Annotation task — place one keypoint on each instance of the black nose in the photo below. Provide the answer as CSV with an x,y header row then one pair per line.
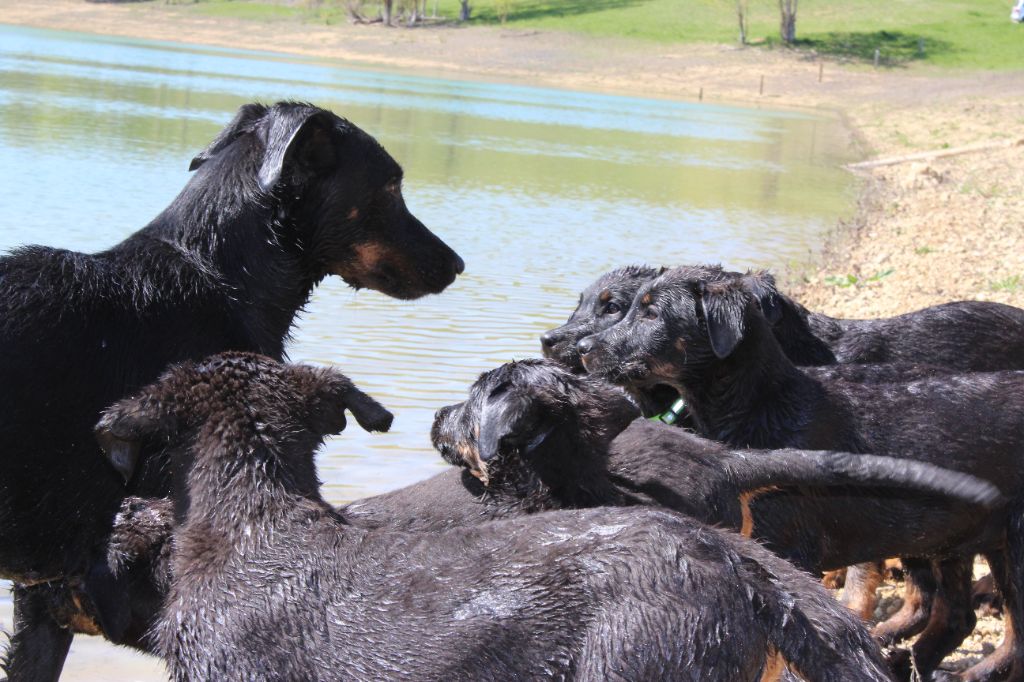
x,y
549,339
586,346
459,264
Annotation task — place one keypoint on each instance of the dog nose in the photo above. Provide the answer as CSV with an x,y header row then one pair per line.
x,y
549,339
459,265
586,346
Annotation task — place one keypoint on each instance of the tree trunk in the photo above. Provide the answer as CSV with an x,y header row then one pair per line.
x,y
464,10
385,10
787,28
741,14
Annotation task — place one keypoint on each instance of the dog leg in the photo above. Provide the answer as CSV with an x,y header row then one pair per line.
x,y
913,617
860,593
38,645
951,619
1007,661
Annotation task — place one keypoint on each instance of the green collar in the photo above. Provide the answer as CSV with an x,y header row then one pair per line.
x,y
672,414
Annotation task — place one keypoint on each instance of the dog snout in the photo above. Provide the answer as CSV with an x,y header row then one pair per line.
x,y
586,347
549,339
458,264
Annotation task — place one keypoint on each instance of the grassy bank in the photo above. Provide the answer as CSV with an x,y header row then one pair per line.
x,y
947,33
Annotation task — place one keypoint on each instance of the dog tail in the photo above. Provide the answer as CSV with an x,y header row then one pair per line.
x,y
757,470
810,633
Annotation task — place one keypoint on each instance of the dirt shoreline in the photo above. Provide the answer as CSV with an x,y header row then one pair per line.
x,y
924,232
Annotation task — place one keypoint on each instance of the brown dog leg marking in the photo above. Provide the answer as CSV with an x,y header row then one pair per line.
x,y
860,594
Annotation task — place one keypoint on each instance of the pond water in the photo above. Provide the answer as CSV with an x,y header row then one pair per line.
x,y
539,190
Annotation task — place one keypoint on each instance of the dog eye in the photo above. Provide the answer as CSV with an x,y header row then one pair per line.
x,y
394,187
611,308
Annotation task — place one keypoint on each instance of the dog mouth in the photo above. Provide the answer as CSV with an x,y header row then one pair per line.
x,y
379,267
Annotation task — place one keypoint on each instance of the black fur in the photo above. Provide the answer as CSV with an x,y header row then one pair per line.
x,y
964,335
283,197
711,342
537,433
270,583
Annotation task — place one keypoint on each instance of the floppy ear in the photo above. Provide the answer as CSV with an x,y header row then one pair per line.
x,y
123,427
243,122
762,286
333,393
300,142
724,305
513,417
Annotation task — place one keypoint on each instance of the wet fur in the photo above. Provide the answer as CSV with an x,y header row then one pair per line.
x,y
227,265
270,582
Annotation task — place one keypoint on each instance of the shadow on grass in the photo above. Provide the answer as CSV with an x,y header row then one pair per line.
x,y
544,9
894,47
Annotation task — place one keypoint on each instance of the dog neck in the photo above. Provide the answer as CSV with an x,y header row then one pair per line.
x,y
241,240
755,397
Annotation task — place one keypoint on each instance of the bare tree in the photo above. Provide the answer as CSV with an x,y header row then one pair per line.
x,y
741,14
787,29
386,7
464,10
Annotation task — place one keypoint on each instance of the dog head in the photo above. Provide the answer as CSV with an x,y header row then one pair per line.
x,y
214,414
601,305
340,198
677,327
532,424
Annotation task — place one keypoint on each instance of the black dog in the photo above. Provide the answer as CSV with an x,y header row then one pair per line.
x,y
283,197
535,432
712,343
269,582
965,335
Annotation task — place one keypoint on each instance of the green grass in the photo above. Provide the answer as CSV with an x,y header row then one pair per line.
x,y
1011,284
947,33
845,281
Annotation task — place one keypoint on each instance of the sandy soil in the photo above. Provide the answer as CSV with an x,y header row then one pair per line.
x,y
926,231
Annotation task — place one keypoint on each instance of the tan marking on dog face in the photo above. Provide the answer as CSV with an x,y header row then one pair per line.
x,y
680,344
81,623
471,456
353,214
646,299
605,296
774,666
747,523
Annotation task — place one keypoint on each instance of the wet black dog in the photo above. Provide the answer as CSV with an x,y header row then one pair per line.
x,y
712,343
537,433
964,335
283,197
269,582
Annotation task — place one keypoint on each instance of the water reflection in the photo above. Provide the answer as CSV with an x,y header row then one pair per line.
x,y
539,190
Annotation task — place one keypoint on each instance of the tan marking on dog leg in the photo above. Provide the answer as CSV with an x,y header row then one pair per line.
x,y
747,523
861,595
774,666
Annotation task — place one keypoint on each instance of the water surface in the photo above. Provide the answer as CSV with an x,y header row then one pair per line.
x,y
540,190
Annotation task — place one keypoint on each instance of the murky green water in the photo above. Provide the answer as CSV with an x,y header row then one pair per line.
x,y
539,190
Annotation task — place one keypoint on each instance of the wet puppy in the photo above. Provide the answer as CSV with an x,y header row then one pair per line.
x,y
268,582
963,335
712,343
534,431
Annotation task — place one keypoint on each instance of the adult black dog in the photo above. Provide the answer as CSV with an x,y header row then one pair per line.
x,y
283,197
972,336
712,343
269,582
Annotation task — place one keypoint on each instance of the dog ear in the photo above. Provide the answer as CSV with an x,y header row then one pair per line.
x,y
761,285
301,143
125,425
513,419
724,306
243,122
330,394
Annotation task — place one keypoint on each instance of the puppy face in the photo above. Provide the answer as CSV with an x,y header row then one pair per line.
x,y
528,422
676,327
601,305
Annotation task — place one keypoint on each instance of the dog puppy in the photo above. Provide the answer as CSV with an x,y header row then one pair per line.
x,y
269,582
713,344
